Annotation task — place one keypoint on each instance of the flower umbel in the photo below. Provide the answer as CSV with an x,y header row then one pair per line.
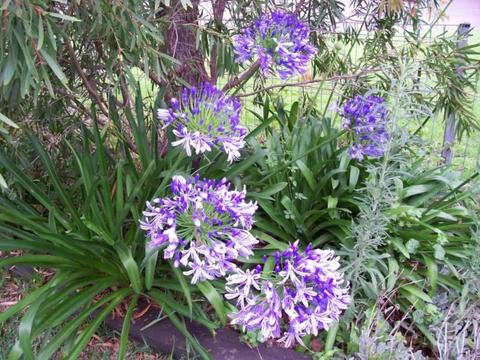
x,y
303,294
204,226
205,118
366,118
280,42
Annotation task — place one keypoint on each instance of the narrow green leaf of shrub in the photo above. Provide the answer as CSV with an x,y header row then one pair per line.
x,y
353,179
272,190
9,69
432,271
3,183
150,266
417,190
417,292
181,327
279,245
291,208
184,285
167,301
130,266
393,273
56,309
276,216
450,282
35,260
269,265
52,63
307,174
123,343
63,17
332,204
417,302
237,169
7,121
331,335
25,330
41,33
398,244
62,335
30,186
57,183
16,352
430,337
264,125
439,252
135,191
103,234
215,300
87,334
273,229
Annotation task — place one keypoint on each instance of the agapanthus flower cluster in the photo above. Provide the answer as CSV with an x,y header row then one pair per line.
x,y
204,226
303,294
280,42
366,118
205,118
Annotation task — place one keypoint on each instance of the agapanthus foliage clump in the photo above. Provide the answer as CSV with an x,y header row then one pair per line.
x,y
303,294
280,43
204,226
205,118
366,118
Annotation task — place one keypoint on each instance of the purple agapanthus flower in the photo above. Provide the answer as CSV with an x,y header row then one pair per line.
x,y
205,118
366,118
303,294
280,42
204,226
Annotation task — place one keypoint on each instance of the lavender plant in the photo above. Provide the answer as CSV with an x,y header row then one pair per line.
x,y
379,341
457,335
305,293
205,118
204,226
382,133
279,41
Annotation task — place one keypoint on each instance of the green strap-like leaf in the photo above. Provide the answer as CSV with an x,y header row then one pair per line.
x,y
72,326
87,334
130,266
7,121
122,347
215,299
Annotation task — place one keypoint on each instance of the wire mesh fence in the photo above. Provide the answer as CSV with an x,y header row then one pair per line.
x,y
466,149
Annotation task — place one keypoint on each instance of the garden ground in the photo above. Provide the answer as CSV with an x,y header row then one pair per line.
x,y
103,346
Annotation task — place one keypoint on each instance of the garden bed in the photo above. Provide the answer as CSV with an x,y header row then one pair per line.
x,y
163,337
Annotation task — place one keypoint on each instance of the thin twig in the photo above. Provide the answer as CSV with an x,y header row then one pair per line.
x,y
88,85
242,77
125,91
314,81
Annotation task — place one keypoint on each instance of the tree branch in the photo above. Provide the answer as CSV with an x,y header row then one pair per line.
x,y
308,82
88,85
237,80
152,75
125,91
218,10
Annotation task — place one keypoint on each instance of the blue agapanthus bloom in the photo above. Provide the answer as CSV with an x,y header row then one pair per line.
x,y
280,42
204,226
206,118
303,294
366,118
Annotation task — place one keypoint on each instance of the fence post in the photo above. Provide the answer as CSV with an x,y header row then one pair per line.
x,y
451,123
